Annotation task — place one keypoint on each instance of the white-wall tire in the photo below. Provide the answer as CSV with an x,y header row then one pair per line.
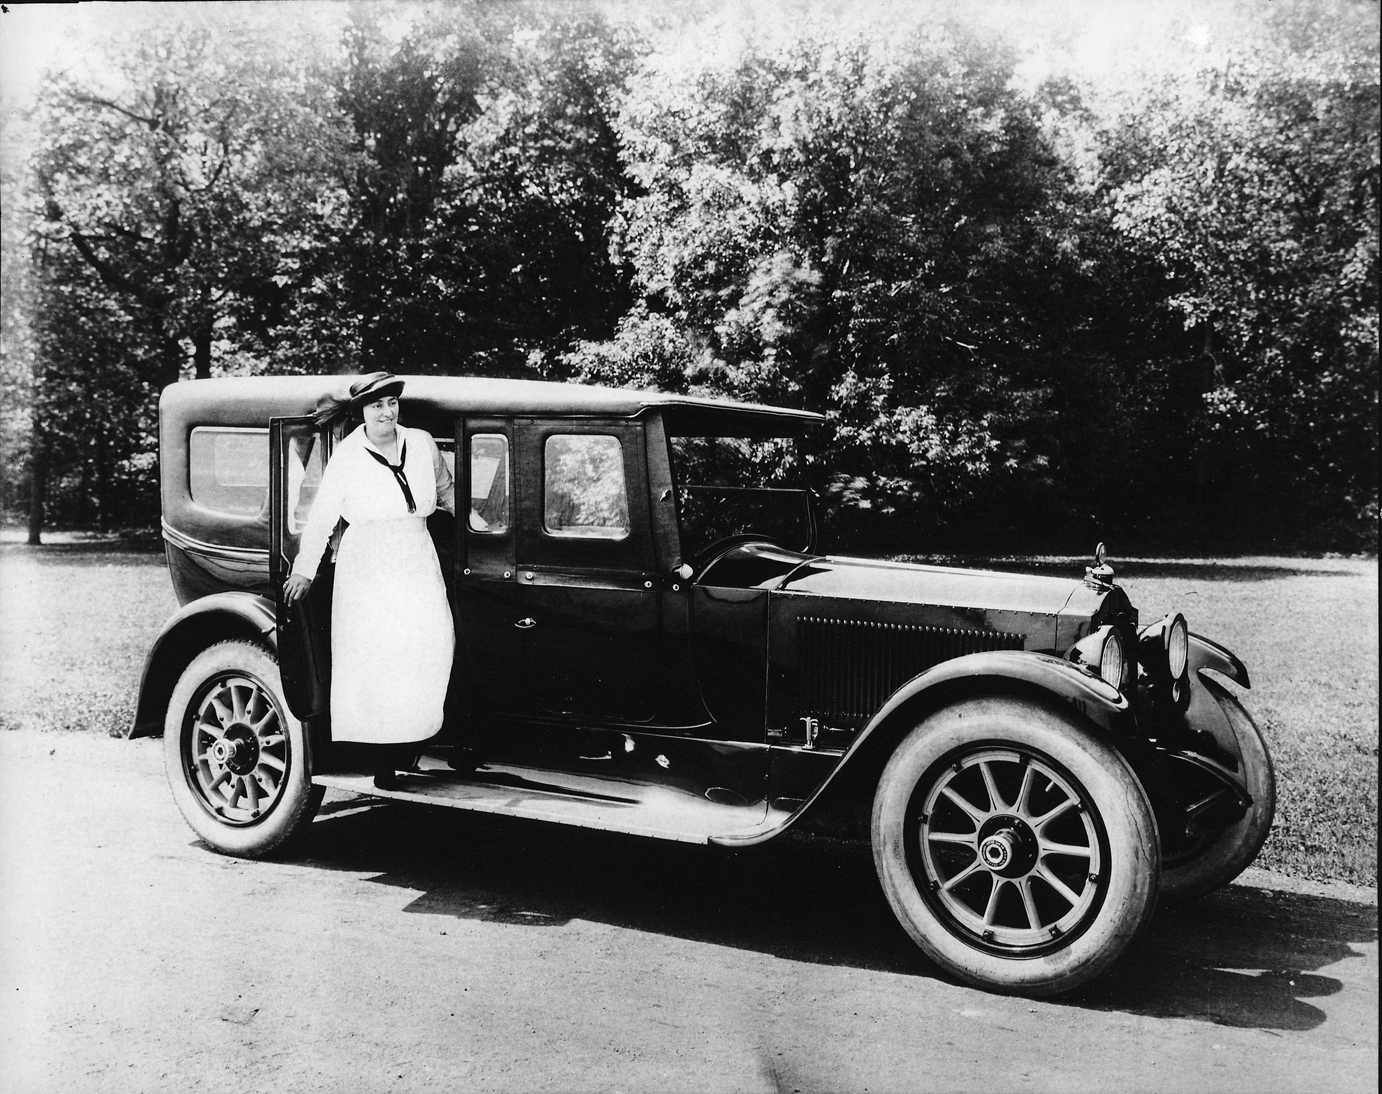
x,y
236,757
1016,847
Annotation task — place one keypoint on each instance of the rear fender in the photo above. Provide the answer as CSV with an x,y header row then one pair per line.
x,y
196,626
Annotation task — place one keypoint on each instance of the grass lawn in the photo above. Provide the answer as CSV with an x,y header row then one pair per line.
x,y
1307,630
76,622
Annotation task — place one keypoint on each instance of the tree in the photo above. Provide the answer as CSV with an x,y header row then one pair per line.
x,y
183,208
877,231
17,351
490,171
525,227
194,185
1251,181
409,84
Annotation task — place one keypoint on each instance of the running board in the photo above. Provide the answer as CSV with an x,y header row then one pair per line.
x,y
638,809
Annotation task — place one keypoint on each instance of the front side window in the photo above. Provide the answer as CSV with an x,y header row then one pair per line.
x,y
229,469
489,482
583,492
731,486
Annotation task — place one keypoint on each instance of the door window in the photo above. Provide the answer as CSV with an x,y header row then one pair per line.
x,y
489,483
447,447
304,476
584,494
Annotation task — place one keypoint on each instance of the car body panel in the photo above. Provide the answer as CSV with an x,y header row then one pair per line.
x,y
1041,677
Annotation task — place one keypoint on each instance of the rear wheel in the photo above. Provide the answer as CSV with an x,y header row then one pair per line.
x,y
1219,857
235,755
1016,848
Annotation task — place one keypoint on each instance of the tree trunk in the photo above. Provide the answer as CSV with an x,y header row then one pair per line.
x,y
102,486
83,515
1205,508
201,357
38,487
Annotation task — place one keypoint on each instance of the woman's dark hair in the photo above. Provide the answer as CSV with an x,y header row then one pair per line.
x,y
336,411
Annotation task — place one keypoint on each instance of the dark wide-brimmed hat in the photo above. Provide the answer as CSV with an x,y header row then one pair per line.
x,y
377,385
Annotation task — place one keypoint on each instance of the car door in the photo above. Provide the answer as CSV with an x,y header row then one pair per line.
x,y
298,451
587,580
489,619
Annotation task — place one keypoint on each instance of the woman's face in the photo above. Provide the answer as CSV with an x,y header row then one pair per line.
x,y
382,414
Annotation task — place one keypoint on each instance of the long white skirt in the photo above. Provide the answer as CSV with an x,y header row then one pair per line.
x,y
392,638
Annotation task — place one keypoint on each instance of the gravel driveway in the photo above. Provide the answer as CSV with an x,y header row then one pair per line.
x,y
413,949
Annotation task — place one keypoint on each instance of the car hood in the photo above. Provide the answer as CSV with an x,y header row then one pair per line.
x,y
1051,612
908,583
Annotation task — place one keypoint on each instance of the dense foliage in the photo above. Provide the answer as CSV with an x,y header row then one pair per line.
x,y
1039,302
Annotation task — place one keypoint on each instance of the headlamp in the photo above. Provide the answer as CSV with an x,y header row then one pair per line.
x,y
1103,652
1163,649
1177,646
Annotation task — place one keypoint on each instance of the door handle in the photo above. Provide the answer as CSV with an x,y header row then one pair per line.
x,y
526,623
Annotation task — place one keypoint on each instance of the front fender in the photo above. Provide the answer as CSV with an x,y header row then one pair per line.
x,y
1096,700
1213,734
1208,654
202,623
1039,676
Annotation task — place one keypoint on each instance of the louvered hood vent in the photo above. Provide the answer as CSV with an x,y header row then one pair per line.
x,y
847,668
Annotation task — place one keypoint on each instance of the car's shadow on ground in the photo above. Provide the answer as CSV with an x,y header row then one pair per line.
x,y
1241,957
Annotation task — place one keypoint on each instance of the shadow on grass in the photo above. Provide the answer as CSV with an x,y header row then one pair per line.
x,y
1209,571
1197,569
1242,957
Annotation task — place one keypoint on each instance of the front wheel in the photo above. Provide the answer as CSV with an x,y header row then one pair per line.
x,y
1016,848
235,755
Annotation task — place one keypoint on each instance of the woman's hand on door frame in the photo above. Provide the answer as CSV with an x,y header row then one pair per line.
x,y
295,588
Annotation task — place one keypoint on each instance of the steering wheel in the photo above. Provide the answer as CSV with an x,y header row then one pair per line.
x,y
704,558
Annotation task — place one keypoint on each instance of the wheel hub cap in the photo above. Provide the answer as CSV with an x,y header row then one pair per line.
x,y
997,851
1007,846
1008,853
236,750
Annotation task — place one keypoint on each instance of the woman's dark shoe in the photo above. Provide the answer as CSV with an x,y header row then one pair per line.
x,y
385,778
465,760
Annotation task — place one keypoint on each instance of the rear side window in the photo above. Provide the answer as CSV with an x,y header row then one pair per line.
x,y
229,469
583,487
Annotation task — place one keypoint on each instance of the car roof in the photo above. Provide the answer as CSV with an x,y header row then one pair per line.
x,y
246,400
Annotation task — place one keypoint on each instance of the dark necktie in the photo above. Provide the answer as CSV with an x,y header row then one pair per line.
x,y
398,475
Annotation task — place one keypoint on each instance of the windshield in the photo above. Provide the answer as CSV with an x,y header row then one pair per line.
x,y
731,486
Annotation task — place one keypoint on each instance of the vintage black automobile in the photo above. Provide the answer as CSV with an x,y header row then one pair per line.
x,y
650,642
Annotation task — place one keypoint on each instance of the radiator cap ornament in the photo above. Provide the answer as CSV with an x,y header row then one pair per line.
x,y
1101,573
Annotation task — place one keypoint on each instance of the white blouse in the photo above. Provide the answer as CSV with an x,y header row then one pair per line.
x,y
359,488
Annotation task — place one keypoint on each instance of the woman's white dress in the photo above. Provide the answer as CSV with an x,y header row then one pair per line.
x,y
392,637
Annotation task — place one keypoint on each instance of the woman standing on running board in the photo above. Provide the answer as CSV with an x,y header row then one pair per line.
x,y
392,637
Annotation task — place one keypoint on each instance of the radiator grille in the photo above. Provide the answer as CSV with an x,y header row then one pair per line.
x,y
847,668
